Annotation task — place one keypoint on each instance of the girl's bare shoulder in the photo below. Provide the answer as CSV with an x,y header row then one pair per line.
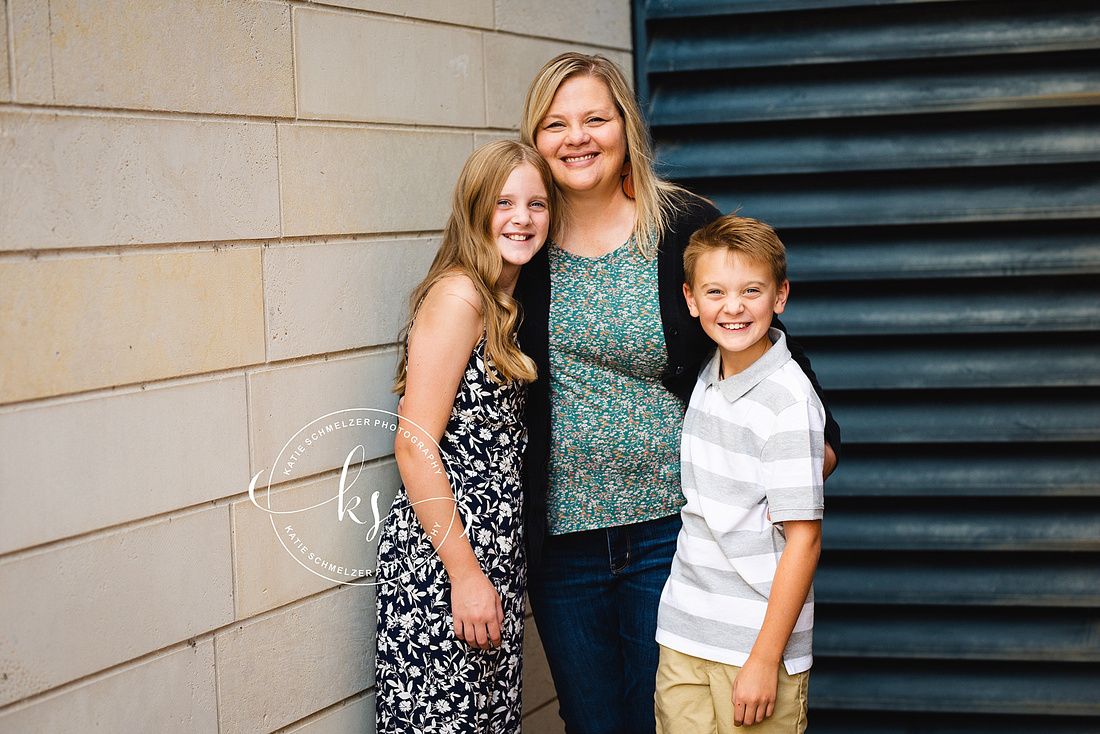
x,y
450,289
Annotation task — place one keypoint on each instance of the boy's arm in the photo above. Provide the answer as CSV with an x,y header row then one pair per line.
x,y
754,688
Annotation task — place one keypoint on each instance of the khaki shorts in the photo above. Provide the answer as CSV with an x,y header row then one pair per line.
x,y
695,696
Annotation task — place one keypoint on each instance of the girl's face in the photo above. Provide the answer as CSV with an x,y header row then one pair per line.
x,y
582,136
521,217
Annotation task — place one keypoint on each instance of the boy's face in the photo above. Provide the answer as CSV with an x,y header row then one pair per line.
x,y
734,299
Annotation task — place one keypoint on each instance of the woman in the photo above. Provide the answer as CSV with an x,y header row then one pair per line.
x,y
617,353
452,572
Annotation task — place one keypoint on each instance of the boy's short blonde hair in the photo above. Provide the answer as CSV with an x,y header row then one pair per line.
x,y
748,237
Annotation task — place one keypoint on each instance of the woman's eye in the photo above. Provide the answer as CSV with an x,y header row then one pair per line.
x,y
552,125
596,120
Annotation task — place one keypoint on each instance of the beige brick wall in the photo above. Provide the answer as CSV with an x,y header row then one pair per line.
x,y
211,214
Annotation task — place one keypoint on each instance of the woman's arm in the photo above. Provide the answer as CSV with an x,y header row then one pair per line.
x,y
832,428
448,327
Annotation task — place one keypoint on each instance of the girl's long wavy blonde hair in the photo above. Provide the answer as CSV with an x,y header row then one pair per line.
x,y
654,197
468,248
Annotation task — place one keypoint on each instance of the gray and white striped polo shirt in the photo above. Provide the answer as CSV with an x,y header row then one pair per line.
x,y
751,458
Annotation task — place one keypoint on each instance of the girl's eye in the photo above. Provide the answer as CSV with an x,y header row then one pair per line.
x,y
503,202
538,204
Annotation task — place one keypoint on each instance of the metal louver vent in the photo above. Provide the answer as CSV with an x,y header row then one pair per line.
x,y
934,169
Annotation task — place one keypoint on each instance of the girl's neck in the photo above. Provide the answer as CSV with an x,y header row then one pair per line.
x,y
509,274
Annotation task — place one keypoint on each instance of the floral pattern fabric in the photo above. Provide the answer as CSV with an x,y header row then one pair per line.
x,y
427,680
615,429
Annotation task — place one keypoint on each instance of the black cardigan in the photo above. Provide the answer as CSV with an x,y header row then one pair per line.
x,y
685,340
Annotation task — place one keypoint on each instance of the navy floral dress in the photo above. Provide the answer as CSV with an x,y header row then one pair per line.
x,y
427,680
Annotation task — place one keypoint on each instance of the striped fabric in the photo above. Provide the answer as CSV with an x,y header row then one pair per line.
x,y
751,458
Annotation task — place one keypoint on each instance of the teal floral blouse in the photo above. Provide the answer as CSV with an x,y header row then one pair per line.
x,y
615,429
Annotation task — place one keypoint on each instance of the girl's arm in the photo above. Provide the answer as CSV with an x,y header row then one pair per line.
x,y
754,688
447,328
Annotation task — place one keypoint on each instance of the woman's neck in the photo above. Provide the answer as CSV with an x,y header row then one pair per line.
x,y
597,225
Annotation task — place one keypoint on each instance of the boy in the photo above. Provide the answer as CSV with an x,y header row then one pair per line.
x,y
735,622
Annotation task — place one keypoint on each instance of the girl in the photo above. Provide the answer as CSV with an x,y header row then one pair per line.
x,y
451,559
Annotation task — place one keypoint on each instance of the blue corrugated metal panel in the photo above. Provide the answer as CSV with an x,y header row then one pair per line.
x,y
934,168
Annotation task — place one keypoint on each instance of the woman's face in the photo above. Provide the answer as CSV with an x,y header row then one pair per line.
x,y
582,137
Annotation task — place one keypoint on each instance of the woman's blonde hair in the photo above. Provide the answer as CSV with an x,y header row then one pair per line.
x,y
468,248
654,197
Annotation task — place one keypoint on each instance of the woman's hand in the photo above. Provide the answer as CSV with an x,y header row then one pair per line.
x,y
477,611
830,461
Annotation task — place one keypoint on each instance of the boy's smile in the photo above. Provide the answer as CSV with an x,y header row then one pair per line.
x,y
734,299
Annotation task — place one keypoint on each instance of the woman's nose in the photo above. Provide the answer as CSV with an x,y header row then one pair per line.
x,y
577,136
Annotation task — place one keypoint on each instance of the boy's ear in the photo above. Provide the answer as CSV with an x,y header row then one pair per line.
x,y
781,296
690,298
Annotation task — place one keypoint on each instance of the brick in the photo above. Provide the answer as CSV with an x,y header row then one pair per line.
x,y
299,660
544,721
274,568
352,67
80,608
80,466
5,69
477,13
32,74
604,23
341,180
354,718
85,323
82,181
329,298
171,694
511,64
538,685
212,56
481,139
291,403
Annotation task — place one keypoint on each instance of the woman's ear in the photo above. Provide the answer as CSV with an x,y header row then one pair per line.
x,y
628,179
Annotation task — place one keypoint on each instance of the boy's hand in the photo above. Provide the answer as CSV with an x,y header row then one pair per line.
x,y
754,692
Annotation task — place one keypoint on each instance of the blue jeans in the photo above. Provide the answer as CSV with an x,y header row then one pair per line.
x,y
595,596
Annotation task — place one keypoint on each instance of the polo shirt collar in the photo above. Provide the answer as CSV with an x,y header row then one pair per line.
x,y
737,385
